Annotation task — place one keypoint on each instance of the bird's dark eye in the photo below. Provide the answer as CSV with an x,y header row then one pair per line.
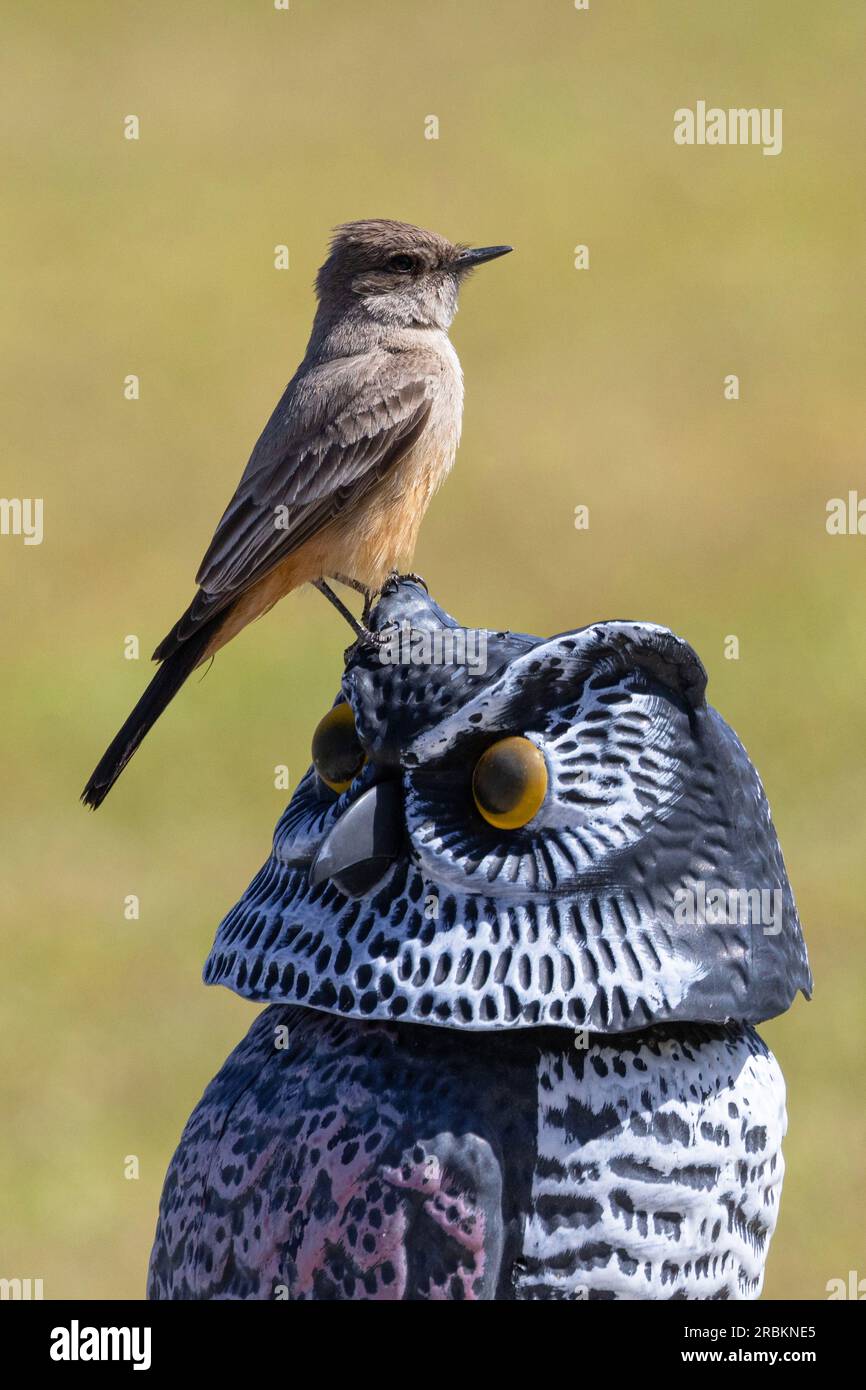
x,y
337,753
509,783
402,263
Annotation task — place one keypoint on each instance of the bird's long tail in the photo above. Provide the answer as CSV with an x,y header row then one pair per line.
x,y
162,689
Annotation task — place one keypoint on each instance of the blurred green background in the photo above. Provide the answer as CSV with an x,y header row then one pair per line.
x,y
602,387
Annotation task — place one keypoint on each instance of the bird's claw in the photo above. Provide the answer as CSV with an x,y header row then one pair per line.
x,y
394,580
368,638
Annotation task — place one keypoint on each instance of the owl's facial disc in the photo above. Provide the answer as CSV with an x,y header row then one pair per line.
x,y
509,787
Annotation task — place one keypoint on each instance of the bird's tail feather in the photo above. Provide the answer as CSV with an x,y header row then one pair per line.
x,y
162,689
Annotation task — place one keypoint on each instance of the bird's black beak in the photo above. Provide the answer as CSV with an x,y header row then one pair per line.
x,y
468,259
364,843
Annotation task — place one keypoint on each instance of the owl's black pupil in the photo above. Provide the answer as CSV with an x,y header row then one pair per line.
x,y
401,263
337,752
501,783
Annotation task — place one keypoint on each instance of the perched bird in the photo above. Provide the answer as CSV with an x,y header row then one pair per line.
x,y
342,474
515,930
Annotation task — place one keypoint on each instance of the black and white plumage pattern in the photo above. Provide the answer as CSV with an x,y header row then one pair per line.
x,y
431,1127
332,1159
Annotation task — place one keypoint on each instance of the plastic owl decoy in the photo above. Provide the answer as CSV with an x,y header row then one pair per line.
x,y
515,929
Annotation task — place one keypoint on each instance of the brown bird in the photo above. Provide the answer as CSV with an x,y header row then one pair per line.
x,y
342,474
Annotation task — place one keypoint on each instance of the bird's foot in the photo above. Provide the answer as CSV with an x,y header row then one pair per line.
x,y
368,638
394,580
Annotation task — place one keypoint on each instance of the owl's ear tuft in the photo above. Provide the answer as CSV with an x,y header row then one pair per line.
x,y
656,650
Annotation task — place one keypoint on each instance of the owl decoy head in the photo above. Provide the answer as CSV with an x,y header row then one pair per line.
x,y
506,831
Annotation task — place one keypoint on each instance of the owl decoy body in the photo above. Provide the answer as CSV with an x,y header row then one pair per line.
x,y
516,927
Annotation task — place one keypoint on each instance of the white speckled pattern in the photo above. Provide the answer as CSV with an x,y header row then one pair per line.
x,y
659,1170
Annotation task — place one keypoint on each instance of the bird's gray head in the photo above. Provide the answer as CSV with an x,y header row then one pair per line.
x,y
399,274
570,835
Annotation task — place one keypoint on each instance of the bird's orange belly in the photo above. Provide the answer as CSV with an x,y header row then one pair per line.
x,y
379,535
383,531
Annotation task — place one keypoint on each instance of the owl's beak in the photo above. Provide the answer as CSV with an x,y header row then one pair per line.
x,y
364,843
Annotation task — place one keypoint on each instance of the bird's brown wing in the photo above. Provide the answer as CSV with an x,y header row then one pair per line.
x,y
337,431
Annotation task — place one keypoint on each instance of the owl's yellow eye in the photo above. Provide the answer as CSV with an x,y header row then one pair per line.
x,y
337,753
509,783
